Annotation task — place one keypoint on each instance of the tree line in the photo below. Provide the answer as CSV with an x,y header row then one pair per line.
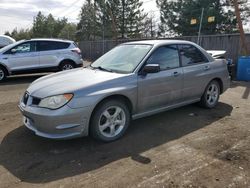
x,y
115,19
46,27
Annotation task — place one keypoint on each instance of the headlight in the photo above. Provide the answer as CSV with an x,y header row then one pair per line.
x,y
55,102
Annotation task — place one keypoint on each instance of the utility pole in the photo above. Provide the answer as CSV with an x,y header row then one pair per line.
x,y
103,35
201,19
103,27
242,34
151,27
123,18
113,23
94,32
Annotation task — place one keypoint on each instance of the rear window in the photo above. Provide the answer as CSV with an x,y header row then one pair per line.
x,y
52,45
75,44
191,55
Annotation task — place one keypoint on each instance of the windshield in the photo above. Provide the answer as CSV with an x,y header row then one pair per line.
x,y
123,58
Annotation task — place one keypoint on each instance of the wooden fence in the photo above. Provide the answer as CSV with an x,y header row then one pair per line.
x,y
91,50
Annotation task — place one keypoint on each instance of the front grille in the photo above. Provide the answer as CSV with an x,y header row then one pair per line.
x,y
25,98
35,101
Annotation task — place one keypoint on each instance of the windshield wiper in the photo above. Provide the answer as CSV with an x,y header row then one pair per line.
x,y
101,68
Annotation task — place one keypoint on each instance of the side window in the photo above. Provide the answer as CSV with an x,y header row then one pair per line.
x,y
52,45
166,56
191,55
44,46
61,45
25,47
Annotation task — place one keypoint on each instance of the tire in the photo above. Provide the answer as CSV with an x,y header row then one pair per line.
x,y
110,121
211,95
3,74
66,65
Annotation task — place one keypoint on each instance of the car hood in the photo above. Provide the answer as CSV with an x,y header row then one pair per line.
x,y
70,82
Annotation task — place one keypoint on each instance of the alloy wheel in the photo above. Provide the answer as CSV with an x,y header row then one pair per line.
x,y
2,74
212,94
112,121
67,67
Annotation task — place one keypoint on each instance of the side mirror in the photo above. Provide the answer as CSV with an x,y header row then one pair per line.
x,y
151,68
13,51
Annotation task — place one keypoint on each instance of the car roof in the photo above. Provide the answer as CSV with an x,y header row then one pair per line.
x,y
50,39
160,42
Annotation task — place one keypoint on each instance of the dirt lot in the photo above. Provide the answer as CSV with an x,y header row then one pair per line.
x,y
186,147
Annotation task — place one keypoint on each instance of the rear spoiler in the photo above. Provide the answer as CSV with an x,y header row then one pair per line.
x,y
217,54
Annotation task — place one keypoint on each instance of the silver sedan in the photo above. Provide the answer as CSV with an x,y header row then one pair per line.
x,y
133,80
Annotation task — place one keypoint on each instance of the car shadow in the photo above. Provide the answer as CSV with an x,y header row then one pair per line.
x,y
36,160
22,79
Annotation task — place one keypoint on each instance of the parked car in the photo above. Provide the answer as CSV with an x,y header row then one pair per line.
x,y
221,54
38,55
131,81
6,40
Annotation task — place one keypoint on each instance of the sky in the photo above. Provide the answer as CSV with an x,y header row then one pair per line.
x,y
20,13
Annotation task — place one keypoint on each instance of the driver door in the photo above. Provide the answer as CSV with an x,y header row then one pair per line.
x,y
23,57
164,88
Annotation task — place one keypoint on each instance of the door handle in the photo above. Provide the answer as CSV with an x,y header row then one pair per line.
x,y
5,58
176,73
207,67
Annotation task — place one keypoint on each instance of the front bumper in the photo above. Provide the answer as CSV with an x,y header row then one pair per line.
x,y
63,123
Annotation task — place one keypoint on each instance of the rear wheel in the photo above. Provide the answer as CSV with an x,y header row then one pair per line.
x,y
110,121
2,74
66,65
211,95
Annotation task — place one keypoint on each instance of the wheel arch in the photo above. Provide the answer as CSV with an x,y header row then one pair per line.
x,y
219,80
5,68
67,60
119,97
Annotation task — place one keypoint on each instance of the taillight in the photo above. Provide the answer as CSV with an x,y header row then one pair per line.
x,y
77,50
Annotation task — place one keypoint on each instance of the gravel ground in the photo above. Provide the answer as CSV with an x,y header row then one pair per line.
x,y
185,147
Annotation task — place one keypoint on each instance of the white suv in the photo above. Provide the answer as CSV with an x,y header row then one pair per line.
x,y
39,55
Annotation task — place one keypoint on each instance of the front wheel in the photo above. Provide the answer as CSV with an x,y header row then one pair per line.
x,y
211,95
2,74
66,66
110,121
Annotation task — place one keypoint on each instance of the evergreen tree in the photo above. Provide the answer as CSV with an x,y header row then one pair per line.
x,y
50,23
68,32
39,28
60,25
88,27
19,34
111,19
244,7
129,18
149,27
107,20
176,16
7,33
47,26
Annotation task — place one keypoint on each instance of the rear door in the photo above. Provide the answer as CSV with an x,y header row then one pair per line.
x,y
25,57
50,52
165,87
196,69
